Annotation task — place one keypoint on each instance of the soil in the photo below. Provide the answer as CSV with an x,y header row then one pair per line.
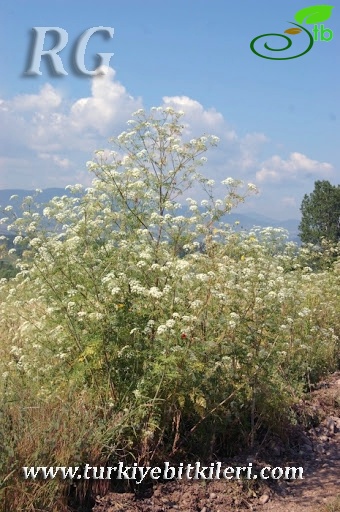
x,y
314,445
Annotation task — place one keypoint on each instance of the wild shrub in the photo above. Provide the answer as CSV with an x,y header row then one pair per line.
x,y
138,330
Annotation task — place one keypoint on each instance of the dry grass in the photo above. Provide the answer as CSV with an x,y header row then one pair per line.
x,y
334,506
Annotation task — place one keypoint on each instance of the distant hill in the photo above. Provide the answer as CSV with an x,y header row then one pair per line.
x,y
247,221
5,194
46,195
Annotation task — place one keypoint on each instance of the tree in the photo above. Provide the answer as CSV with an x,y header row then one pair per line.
x,y
321,214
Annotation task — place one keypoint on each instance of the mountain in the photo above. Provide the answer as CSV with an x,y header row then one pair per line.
x,y
46,195
247,221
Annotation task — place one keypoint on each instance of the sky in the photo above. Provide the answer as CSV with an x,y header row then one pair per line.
x,y
277,120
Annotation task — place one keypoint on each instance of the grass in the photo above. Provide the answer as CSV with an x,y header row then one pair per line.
x,y
334,506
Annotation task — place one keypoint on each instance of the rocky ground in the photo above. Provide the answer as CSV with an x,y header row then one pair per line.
x,y
316,448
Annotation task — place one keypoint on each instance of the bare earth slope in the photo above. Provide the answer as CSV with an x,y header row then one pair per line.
x,y
317,450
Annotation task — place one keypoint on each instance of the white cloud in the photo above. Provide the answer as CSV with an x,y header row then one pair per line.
x,y
46,142
63,137
64,163
57,139
234,154
48,99
109,105
195,114
250,146
277,169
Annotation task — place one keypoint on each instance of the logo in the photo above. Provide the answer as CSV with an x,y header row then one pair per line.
x,y
309,15
78,51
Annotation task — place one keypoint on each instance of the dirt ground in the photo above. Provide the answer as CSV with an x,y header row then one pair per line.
x,y
316,449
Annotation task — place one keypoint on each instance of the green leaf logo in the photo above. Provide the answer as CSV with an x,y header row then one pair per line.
x,y
314,14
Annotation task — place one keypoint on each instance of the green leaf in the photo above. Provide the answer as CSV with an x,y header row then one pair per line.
x,y
314,14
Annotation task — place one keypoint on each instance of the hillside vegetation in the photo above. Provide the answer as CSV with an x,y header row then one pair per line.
x,y
134,334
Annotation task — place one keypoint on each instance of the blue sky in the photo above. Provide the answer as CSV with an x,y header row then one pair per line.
x,y
278,121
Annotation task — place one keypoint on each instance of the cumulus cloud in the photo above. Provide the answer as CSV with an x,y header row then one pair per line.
x,y
277,169
110,104
235,154
48,99
196,116
47,141
57,139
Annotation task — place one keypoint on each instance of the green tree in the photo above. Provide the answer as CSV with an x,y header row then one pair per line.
x,y
321,214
